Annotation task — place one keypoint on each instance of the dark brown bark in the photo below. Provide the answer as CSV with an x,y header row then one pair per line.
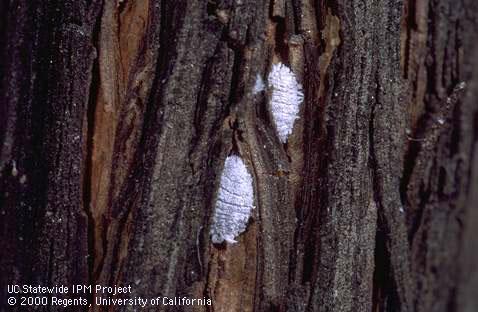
x,y
47,60
116,118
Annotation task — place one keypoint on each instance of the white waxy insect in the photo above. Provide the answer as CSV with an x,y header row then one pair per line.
x,y
235,201
285,100
259,84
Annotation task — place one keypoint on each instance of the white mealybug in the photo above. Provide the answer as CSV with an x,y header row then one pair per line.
x,y
285,100
235,201
259,84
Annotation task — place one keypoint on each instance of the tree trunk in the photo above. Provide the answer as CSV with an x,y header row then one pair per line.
x,y
116,118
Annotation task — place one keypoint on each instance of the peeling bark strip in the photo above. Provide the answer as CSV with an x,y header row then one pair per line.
x,y
116,118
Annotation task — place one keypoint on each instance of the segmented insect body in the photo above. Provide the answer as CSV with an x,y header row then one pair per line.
x,y
235,201
286,98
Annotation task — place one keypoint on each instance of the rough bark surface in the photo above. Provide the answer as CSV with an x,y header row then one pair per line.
x,y
116,118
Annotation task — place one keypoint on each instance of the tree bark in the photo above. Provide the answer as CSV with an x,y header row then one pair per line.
x,y
116,118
